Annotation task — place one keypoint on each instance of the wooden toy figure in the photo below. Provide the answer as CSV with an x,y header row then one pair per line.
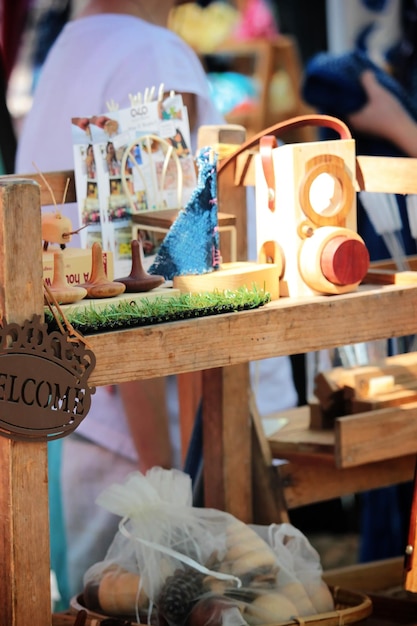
x,y
56,228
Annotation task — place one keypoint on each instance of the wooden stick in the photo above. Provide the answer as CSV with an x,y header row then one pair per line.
x,y
410,561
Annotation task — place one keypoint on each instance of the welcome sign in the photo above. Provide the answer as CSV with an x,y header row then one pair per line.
x,y
44,392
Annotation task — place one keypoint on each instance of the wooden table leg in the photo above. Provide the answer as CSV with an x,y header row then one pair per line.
x,y
189,397
227,436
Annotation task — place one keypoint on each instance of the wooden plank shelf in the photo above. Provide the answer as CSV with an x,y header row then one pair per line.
x,y
286,326
308,479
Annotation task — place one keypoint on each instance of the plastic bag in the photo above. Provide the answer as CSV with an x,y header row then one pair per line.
x,y
173,564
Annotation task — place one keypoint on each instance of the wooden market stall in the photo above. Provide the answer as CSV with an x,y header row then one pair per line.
x,y
219,346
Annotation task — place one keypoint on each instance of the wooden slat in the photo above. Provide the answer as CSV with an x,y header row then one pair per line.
x,y
379,174
377,276
306,480
386,174
375,576
307,441
24,521
376,435
57,181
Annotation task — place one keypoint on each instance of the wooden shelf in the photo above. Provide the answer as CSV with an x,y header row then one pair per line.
x,y
285,326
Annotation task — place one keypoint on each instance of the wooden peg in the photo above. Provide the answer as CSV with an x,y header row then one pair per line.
x,y
99,286
63,292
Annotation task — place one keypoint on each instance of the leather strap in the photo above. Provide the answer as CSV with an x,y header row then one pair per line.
x,y
326,121
266,145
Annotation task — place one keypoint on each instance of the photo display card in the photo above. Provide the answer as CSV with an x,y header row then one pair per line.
x,y
129,161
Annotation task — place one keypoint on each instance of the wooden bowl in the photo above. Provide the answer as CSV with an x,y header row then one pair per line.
x,y
77,604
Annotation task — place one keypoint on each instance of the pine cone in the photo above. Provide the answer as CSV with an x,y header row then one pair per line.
x,y
178,594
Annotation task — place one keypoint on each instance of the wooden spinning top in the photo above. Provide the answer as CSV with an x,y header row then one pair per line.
x,y
139,279
63,292
99,286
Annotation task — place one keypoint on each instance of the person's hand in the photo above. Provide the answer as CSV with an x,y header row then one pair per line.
x,y
82,122
100,120
383,115
109,125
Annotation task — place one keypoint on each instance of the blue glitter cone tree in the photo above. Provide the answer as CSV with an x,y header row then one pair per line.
x,y
192,243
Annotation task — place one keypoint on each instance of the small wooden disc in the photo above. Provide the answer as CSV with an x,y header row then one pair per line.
x,y
344,261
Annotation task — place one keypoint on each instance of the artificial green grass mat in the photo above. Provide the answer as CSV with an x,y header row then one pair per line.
x,y
127,314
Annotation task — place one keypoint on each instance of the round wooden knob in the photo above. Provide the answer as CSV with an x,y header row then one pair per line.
x,y
344,261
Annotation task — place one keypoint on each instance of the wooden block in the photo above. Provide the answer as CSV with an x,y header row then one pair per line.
x,y
232,276
297,437
221,134
364,383
373,173
375,436
319,418
397,397
329,389
77,265
376,385
338,387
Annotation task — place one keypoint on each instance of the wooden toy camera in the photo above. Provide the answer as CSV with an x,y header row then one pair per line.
x,y
306,211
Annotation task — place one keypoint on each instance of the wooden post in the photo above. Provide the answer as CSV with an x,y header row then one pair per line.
x,y
231,198
227,444
24,520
